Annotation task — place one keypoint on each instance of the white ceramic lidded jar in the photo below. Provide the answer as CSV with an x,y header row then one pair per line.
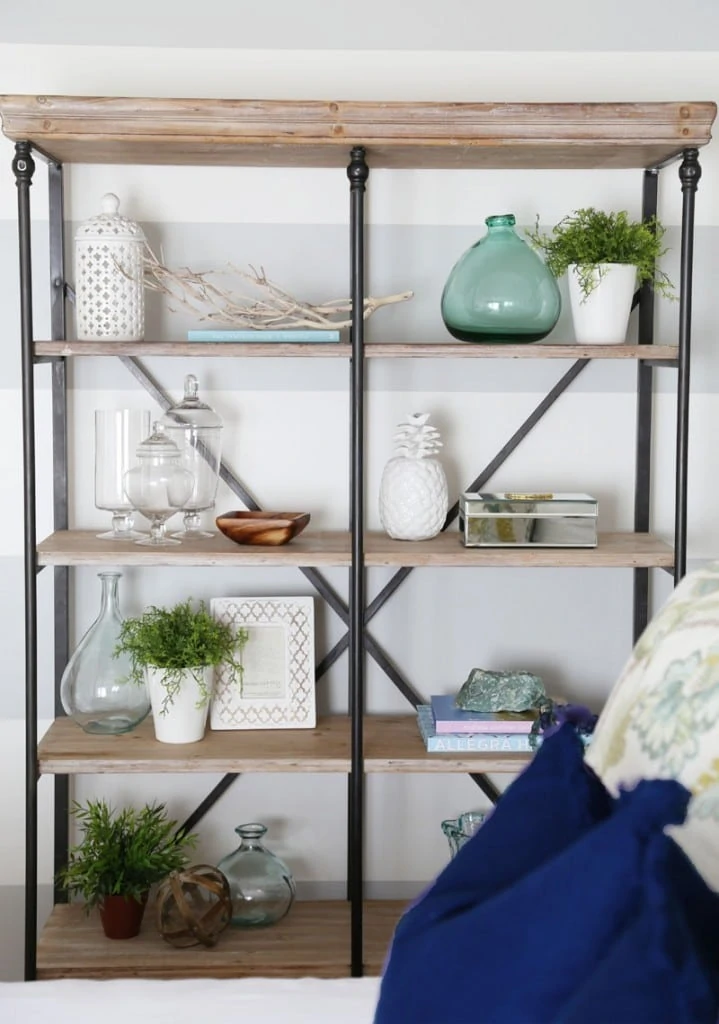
x,y
109,292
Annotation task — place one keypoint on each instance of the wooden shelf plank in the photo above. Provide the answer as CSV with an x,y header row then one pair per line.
x,y
314,939
376,350
615,550
121,130
392,744
66,749
83,547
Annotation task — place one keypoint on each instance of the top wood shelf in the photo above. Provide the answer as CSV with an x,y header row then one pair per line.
x,y
88,129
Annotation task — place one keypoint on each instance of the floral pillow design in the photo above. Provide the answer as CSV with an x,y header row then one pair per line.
x,y
662,717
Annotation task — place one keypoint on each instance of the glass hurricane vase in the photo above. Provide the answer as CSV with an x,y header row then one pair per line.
x,y
500,290
96,689
261,884
118,432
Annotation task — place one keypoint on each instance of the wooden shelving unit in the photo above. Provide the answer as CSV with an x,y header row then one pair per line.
x,y
392,744
323,939
374,350
614,550
311,940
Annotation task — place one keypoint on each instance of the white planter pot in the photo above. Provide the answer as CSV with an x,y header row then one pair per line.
x,y
603,316
181,721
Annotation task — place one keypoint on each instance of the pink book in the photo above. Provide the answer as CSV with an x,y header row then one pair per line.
x,y
449,718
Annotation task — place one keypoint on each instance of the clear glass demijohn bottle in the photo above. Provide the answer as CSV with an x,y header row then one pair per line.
x,y
500,290
96,689
261,884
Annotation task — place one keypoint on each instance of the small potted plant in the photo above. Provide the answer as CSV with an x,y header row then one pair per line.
x,y
606,256
175,651
122,854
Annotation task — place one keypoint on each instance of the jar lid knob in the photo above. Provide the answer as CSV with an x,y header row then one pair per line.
x,y
110,203
191,386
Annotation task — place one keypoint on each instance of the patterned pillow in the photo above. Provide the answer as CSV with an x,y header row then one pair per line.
x,y
662,718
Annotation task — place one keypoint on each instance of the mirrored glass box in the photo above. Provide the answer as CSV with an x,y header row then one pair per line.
x,y
527,520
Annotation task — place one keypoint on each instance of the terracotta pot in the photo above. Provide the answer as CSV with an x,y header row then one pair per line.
x,y
121,918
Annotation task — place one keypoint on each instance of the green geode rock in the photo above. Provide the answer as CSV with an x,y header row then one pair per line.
x,y
501,691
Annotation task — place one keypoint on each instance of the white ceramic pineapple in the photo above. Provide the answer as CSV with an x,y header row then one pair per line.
x,y
413,494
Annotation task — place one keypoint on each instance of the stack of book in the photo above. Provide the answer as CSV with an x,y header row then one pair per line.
x,y
444,727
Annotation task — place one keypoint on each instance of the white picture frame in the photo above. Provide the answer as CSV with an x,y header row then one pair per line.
x,y
277,690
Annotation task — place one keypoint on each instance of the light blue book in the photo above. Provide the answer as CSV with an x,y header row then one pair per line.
x,y
488,743
286,336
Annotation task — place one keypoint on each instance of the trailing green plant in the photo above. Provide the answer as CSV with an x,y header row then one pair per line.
x,y
590,238
122,853
175,640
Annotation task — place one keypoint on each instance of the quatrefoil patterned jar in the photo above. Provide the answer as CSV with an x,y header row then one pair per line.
x,y
109,293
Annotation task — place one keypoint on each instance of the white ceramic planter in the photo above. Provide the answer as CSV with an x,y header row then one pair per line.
x,y
603,316
182,721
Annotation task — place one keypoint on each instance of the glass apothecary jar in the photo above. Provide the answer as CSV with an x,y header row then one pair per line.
x,y
158,486
196,429
261,884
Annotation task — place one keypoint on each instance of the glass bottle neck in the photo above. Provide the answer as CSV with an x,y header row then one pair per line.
x,y
251,836
503,223
109,599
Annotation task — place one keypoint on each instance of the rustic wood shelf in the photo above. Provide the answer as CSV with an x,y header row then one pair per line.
x,y
83,547
376,350
314,939
123,130
392,744
66,749
615,550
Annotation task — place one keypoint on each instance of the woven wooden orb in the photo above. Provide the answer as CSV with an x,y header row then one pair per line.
x,y
194,906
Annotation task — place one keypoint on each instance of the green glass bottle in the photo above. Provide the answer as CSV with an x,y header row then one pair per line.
x,y
500,290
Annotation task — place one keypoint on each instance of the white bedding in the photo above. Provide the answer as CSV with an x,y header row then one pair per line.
x,y
256,1000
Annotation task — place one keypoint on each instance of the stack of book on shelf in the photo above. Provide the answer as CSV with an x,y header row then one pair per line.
x,y
446,728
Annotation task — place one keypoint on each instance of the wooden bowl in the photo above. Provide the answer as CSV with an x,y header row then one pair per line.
x,y
262,527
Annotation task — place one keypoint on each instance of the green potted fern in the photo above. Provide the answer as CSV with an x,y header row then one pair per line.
x,y
121,855
605,256
175,651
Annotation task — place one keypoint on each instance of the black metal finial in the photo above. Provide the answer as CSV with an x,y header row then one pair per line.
x,y
23,165
690,170
358,171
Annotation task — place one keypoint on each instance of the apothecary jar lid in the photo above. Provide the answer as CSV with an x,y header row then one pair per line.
x,y
110,224
191,412
158,445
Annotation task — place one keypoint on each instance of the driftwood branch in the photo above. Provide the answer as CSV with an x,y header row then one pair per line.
x,y
270,309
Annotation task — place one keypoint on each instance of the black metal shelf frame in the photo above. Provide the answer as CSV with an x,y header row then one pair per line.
x,y
356,615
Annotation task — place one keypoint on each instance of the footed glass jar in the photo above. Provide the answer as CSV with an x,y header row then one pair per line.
x,y
261,884
500,290
96,689
158,486
196,429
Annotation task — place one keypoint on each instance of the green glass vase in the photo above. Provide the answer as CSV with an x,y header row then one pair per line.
x,y
261,884
500,290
